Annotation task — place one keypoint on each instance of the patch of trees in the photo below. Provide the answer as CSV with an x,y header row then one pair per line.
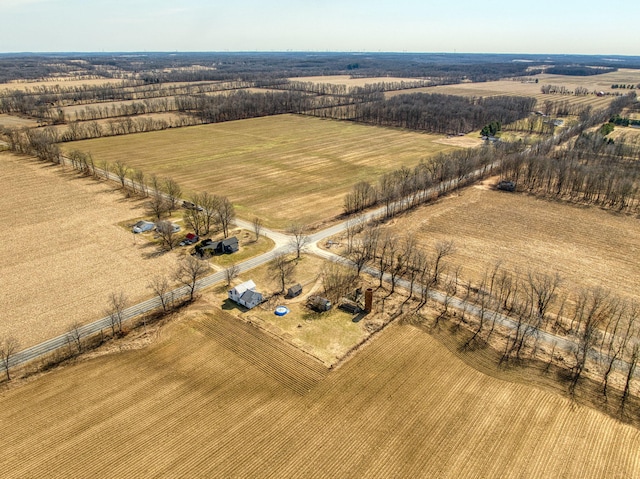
x,y
491,129
38,143
447,114
591,171
212,212
579,70
620,121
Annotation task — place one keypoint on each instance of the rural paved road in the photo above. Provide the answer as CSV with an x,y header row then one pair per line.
x,y
283,244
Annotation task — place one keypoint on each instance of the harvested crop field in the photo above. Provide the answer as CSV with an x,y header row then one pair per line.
x,y
64,82
514,87
527,86
587,246
218,398
282,168
352,82
12,121
62,250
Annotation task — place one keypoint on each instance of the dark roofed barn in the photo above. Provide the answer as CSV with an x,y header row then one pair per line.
x,y
228,246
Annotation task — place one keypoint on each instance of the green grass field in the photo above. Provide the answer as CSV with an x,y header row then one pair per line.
x,y
281,168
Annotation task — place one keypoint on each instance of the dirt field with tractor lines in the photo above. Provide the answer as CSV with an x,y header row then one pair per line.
x,y
587,246
282,168
214,397
63,250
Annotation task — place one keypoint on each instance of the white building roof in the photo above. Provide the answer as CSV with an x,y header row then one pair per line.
x,y
243,287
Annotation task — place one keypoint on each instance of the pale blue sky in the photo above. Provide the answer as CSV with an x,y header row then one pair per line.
x,y
540,26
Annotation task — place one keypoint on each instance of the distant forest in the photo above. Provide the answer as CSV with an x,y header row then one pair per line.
x,y
217,66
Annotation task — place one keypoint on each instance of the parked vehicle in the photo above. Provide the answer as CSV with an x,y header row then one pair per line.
x,y
189,239
142,226
191,206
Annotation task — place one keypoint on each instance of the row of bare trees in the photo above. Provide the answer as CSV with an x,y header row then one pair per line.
x,y
603,329
406,188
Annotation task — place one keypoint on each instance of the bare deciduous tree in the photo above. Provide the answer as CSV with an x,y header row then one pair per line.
x,y
226,214
121,171
230,273
115,311
299,239
443,249
173,192
157,206
632,363
74,336
257,227
281,269
161,288
142,185
593,305
8,347
168,235
353,227
207,207
189,271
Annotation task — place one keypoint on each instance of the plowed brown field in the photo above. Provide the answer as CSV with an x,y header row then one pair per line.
x,y
281,168
219,399
587,246
62,250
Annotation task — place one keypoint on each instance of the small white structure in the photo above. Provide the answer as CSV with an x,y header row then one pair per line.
x,y
245,294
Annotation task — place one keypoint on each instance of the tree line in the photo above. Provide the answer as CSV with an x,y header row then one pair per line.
x,y
406,188
602,327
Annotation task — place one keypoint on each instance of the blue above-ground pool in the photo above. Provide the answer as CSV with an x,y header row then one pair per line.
x,y
281,311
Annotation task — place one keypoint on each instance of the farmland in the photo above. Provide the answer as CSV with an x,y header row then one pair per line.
x,y
351,82
588,247
217,398
66,82
273,167
528,87
63,249
12,121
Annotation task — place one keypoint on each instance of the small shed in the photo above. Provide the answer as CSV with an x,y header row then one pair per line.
x,y
294,291
319,303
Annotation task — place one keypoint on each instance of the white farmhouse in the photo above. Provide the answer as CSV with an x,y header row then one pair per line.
x,y
245,294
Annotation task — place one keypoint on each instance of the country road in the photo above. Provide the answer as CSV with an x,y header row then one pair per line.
x,y
283,244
